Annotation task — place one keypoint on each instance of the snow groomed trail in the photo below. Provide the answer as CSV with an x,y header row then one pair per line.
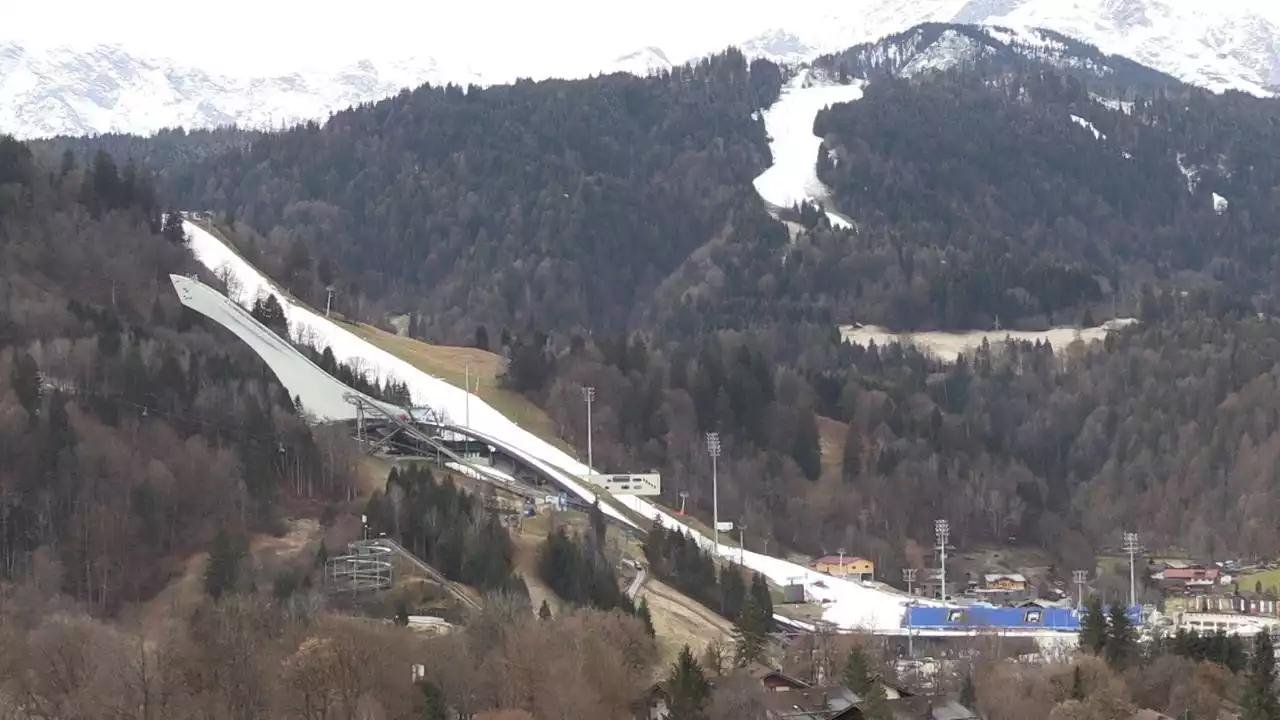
x,y
793,177
849,605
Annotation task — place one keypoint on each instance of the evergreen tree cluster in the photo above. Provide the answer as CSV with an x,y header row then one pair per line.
x,y
446,527
576,569
1108,633
389,390
1218,647
678,560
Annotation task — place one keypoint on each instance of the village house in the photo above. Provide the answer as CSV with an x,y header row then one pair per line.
x,y
789,698
849,567
1194,579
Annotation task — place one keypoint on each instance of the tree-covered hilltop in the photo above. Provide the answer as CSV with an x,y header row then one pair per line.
x,y
1023,197
129,432
536,205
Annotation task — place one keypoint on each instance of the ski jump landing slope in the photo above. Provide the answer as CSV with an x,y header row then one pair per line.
x,y
849,605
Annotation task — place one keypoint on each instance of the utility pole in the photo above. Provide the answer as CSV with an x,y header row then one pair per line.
x,y
942,529
841,552
468,389
1131,546
328,300
742,542
684,496
588,396
1080,577
713,448
909,576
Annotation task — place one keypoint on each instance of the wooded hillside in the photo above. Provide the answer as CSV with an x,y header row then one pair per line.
x,y
129,433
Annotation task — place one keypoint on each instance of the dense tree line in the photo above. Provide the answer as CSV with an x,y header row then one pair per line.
x,y
446,527
1020,197
576,569
132,430
510,205
678,560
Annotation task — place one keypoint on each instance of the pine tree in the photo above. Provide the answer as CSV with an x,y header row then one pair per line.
x,y
1121,642
856,673
434,706
1077,684
968,693
688,689
875,703
482,337
223,566
645,616
402,613
173,230
1093,627
1259,701
851,461
806,450
748,634
544,611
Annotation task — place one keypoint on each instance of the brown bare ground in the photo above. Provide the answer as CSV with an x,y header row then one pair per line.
x,y
679,621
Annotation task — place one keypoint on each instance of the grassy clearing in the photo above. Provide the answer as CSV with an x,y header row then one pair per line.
x,y
450,364
679,621
1270,580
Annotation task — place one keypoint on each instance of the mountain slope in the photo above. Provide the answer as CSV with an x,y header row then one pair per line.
x,y
1223,45
1233,44
107,89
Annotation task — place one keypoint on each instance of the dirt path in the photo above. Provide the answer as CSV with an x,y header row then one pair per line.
x,y
526,563
679,621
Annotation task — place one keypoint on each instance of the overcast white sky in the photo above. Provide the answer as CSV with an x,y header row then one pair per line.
x,y
263,36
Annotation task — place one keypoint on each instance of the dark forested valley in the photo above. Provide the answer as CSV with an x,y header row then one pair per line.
x,y
605,232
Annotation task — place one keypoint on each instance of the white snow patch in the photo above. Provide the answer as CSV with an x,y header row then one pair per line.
x,y
947,346
1097,134
1192,175
1219,204
793,177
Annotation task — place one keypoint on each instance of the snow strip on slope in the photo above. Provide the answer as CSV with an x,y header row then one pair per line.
x,y
1097,134
850,604
793,177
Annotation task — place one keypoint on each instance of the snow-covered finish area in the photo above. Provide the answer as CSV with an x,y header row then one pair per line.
x,y
793,177
849,605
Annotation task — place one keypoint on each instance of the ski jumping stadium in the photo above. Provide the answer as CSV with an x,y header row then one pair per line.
x,y
494,450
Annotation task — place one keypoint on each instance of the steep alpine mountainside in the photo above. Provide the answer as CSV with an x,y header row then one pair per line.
x,y
538,205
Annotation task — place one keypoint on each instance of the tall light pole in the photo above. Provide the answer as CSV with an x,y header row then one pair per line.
x,y
909,577
684,497
841,552
713,449
742,542
942,529
468,389
588,396
1079,577
1131,547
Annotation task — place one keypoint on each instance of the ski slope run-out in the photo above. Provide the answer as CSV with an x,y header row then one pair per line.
x,y
793,177
849,604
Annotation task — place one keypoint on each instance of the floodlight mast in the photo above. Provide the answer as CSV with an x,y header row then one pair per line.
x,y
942,529
1080,577
713,449
1131,546
909,576
589,396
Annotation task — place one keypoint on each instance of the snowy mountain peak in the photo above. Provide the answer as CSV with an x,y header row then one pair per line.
x,y
642,62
